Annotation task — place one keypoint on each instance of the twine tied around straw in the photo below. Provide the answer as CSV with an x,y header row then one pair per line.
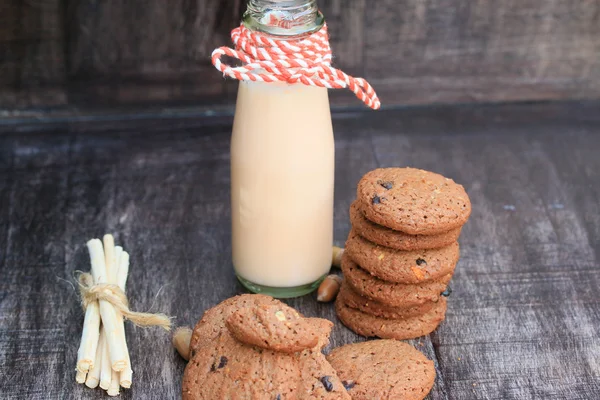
x,y
113,294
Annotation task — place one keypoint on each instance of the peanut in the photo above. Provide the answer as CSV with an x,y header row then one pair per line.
x,y
419,274
336,259
329,288
181,341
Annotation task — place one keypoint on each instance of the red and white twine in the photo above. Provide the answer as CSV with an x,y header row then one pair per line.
x,y
307,61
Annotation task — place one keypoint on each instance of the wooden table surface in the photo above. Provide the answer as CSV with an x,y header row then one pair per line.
x,y
523,321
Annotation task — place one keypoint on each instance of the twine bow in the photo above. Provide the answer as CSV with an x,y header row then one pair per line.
x,y
113,294
306,60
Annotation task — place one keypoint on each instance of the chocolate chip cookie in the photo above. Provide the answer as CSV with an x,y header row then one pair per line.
x,y
276,328
398,266
353,300
383,369
253,353
230,369
389,293
413,201
395,239
213,320
400,329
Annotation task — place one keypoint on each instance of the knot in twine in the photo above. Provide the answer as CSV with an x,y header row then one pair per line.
x,y
114,295
306,60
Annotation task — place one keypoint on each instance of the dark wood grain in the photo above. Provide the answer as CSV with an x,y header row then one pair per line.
x,y
32,54
447,51
88,54
161,54
347,32
523,321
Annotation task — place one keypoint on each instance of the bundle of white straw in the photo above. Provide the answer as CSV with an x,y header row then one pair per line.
x,y
103,358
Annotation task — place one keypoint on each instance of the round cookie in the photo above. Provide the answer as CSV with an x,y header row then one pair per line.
x,y
396,239
353,300
402,266
389,293
413,201
213,321
383,369
400,329
276,328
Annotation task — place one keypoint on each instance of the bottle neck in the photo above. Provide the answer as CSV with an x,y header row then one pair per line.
x,y
283,18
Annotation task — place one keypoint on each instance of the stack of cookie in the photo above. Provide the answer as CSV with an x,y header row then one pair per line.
x,y
401,252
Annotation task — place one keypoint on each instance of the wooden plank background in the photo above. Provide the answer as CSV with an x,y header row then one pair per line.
x,y
32,54
523,321
95,54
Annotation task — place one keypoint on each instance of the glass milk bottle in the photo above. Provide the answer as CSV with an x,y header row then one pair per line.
x,y
282,168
